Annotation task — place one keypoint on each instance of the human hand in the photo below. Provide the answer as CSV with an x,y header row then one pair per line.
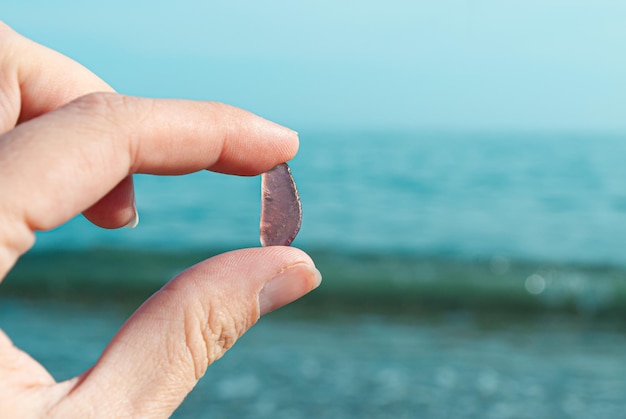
x,y
66,150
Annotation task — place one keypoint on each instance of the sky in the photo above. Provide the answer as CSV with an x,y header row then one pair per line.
x,y
532,65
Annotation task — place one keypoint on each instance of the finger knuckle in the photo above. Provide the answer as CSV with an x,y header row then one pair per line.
x,y
104,117
118,116
209,333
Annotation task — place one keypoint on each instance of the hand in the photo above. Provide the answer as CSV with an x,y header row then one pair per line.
x,y
66,150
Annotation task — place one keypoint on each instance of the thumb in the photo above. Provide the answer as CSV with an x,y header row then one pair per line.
x,y
165,347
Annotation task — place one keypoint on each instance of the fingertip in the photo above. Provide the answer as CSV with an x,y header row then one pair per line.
x,y
134,222
291,140
116,209
246,133
289,285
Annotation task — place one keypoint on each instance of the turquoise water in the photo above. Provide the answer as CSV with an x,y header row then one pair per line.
x,y
452,365
465,275
525,196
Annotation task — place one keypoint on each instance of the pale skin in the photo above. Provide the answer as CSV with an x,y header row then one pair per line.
x,y
69,145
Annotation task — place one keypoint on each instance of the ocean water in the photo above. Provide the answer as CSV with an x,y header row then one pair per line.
x,y
465,275
368,366
546,197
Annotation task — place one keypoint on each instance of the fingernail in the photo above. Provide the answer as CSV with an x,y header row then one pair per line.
x,y
135,221
289,285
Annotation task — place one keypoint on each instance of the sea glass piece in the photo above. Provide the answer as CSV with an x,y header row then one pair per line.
x,y
281,210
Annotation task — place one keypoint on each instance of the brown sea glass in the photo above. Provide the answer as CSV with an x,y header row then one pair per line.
x,y
281,210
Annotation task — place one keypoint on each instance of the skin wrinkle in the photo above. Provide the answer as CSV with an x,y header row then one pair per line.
x,y
218,148
105,107
211,327
225,330
134,143
192,321
210,330
196,326
109,105
226,152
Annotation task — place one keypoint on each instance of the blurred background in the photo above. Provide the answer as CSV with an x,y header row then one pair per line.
x,y
464,194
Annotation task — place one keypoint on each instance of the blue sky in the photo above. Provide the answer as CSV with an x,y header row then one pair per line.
x,y
393,64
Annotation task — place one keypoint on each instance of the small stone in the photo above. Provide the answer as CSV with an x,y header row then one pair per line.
x,y
281,210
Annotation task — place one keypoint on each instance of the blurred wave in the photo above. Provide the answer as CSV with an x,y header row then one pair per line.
x,y
353,282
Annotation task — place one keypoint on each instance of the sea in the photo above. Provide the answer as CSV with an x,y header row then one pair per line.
x,y
466,275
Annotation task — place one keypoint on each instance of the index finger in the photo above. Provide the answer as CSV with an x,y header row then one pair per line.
x,y
59,164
